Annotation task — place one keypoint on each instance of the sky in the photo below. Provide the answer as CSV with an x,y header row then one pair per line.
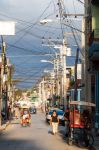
x,y
25,49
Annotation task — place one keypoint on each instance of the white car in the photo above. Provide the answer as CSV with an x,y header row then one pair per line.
x,y
60,114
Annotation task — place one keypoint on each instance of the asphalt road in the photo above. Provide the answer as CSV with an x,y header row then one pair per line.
x,y
36,137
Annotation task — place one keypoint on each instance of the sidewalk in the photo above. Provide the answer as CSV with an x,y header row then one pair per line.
x,y
3,127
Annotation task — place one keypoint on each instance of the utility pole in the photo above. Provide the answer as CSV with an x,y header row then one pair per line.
x,y
40,91
56,63
63,73
63,54
76,84
87,75
43,94
4,79
56,74
83,60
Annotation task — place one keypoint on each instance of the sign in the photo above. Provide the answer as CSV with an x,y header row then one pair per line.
x,y
7,28
82,103
68,52
79,71
4,78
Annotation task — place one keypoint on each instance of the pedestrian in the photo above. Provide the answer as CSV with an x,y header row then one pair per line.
x,y
66,117
16,112
54,122
9,113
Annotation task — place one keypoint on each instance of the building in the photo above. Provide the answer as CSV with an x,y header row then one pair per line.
x,y
93,42
6,92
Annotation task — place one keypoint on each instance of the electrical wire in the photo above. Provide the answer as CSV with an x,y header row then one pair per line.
x,y
29,27
29,77
80,1
27,31
72,29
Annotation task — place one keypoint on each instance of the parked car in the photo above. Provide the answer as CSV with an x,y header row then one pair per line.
x,y
60,114
33,110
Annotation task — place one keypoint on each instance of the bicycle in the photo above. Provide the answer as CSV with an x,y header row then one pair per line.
x,y
82,137
80,124
86,139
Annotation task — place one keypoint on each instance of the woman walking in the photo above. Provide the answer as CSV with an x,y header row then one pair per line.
x,y
54,122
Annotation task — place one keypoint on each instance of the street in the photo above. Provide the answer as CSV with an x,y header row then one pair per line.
x,y
36,137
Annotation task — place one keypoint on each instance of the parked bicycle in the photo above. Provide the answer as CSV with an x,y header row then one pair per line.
x,y
82,138
80,125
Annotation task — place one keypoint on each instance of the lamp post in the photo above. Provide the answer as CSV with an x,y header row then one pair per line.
x,y
60,61
63,49
55,62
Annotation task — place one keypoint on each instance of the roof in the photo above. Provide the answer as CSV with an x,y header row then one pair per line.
x,y
82,103
24,107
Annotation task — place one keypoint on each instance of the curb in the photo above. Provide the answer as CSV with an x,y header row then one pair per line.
x,y
92,148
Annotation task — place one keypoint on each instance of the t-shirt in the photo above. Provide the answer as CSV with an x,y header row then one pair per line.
x,y
54,118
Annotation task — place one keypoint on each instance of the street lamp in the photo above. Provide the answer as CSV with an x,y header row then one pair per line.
x,y
63,54
55,75
45,21
62,60
45,61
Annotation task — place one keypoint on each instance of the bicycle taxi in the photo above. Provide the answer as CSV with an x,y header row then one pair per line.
x,y
77,132
25,116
